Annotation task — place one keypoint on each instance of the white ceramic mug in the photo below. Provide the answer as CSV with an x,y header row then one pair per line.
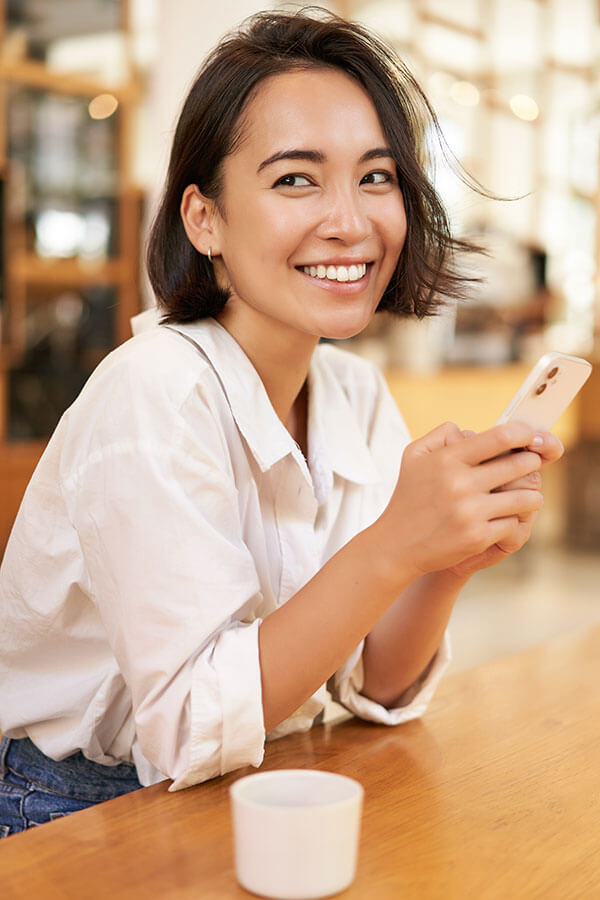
x,y
296,832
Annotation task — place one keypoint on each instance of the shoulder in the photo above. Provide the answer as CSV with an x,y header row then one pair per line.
x,y
157,361
152,391
158,375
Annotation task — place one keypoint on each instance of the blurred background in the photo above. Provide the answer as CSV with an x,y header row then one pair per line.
x,y
89,93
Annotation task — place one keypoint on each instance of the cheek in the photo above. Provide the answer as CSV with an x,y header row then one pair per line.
x,y
287,223
270,232
395,228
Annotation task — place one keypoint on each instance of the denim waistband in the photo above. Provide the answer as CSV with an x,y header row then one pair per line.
x,y
75,776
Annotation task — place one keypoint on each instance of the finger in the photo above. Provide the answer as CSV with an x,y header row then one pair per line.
x,y
513,503
510,533
549,447
494,442
467,433
531,482
516,538
529,518
508,529
505,533
504,469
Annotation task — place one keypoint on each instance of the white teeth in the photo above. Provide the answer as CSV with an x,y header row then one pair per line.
x,y
337,273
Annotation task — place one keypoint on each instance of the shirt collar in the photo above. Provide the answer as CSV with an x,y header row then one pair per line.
x,y
252,410
333,422
335,439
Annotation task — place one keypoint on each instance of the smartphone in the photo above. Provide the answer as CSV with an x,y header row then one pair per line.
x,y
547,391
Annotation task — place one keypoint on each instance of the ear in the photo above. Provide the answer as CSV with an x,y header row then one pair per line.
x,y
198,215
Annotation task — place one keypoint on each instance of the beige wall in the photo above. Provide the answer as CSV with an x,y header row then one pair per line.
x,y
187,31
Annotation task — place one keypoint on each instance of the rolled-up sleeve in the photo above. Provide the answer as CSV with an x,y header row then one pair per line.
x,y
347,685
227,729
177,589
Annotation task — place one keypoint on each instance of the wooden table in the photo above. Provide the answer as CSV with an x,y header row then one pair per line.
x,y
495,793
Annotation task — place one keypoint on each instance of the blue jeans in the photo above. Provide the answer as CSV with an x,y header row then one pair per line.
x,y
35,789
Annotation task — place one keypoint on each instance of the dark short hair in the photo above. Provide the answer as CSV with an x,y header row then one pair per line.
x,y
210,126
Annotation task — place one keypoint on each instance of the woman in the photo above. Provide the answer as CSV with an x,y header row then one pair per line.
x,y
220,534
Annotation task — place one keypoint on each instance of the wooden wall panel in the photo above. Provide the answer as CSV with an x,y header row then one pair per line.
x,y
17,462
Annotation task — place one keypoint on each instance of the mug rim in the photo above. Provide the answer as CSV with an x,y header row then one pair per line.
x,y
237,789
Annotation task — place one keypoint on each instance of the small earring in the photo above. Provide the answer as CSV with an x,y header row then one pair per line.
x,y
209,254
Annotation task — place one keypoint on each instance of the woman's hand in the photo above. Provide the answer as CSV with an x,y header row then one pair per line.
x,y
459,506
550,449
464,501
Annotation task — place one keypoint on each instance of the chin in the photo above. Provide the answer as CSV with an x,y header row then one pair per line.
x,y
341,330
339,335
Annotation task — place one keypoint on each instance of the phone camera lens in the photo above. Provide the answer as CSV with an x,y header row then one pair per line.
x,y
540,388
553,372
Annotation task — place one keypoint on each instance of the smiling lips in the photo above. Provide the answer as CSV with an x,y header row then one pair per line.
x,y
337,273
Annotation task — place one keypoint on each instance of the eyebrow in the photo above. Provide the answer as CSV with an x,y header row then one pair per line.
x,y
315,156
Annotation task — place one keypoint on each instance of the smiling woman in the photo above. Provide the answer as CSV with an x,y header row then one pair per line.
x,y
332,202
229,527
214,122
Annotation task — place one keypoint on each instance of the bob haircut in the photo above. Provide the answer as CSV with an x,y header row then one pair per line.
x,y
210,128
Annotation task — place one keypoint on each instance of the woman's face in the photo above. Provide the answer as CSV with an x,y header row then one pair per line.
x,y
313,217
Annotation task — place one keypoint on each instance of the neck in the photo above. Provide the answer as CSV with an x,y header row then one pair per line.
x,y
281,356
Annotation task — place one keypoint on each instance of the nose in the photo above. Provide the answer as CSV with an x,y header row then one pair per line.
x,y
345,218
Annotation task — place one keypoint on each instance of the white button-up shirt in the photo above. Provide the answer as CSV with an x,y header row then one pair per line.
x,y
170,513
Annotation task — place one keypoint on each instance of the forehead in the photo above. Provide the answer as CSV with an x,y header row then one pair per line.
x,y
311,108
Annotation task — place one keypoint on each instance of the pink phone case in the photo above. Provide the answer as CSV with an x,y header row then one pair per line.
x,y
547,391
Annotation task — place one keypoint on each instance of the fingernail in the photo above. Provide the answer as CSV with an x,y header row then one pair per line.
x,y
538,441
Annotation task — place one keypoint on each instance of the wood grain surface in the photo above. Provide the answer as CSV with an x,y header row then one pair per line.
x,y
495,793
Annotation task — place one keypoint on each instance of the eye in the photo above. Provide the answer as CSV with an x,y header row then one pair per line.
x,y
293,181
380,177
